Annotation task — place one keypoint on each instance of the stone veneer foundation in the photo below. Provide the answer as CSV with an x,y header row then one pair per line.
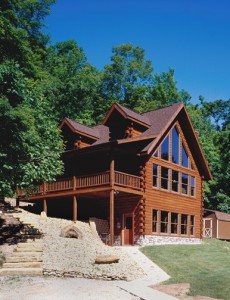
x,y
144,240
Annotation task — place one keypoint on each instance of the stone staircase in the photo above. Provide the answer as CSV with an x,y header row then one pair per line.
x,y
26,259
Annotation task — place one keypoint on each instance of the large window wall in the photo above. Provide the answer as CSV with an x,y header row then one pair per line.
x,y
173,149
178,177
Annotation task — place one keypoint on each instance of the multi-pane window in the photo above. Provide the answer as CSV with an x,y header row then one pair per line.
x,y
184,185
164,178
184,224
192,186
155,221
165,149
175,146
192,225
180,182
174,223
164,221
168,222
175,181
155,175
184,157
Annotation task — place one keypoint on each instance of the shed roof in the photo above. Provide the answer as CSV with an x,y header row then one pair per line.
x,y
219,215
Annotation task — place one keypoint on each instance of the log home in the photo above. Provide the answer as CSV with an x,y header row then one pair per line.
x,y
144,173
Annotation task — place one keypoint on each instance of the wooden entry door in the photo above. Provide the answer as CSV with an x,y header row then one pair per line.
x,y
128,229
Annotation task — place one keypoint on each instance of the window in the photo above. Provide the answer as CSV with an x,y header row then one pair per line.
x,y
164,221
192,225
184,224
165,149
175,181
175,146
164,178
192,186
184,183
155,175
184,157
155,221
156,154
174,223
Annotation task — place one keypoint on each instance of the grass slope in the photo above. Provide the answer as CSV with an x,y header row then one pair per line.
x,y
206,267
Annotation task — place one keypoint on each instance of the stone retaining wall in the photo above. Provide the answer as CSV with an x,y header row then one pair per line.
x,y
144,240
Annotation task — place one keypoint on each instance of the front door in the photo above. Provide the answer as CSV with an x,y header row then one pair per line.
x,y
128,229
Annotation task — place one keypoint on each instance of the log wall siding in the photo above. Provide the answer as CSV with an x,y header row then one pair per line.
x,y
166,200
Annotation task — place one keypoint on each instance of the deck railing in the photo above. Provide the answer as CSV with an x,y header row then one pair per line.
x,y
127,180
85,181
97,179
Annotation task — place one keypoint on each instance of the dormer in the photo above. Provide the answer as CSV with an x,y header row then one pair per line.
x,y
124,122
76,135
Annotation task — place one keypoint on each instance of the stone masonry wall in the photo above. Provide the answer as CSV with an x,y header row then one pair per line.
x,y
144,240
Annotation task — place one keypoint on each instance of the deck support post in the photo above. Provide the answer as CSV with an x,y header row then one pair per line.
x,y
74,208
45,206
111,169
111,217
17,202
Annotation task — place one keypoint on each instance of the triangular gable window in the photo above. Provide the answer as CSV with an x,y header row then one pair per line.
x,y
173,149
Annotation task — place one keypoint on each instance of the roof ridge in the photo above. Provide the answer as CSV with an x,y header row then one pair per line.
x,y
181,102
91,127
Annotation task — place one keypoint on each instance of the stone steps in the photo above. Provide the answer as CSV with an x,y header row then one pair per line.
x,y
26,264
18,259
21,271
27,257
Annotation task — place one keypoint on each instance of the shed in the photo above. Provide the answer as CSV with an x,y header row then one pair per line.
x,y
216,225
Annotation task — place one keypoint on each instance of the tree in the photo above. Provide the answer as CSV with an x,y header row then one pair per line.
x,y
72,83
30,143
165,91
21,35
128,78
215,144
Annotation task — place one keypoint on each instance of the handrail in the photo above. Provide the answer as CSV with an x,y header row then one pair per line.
x,y
127,180
86,181
97,179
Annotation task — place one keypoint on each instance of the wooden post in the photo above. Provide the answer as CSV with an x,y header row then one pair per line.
x,y
74,208
17,202
111,217
45,206
112,172
74,182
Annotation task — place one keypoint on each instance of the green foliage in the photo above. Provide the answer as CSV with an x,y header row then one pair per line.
x,y
129,77
165,91
30,143
72,83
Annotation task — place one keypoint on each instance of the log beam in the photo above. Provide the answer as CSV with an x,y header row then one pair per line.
x,y
74,208
111,217
45,206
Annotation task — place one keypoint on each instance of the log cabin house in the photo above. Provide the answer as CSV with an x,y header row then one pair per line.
x,y
144,173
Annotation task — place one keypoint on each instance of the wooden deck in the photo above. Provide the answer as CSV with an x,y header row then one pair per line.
x,y
85,182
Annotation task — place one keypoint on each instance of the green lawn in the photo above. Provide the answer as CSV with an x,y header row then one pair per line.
x,y
206,267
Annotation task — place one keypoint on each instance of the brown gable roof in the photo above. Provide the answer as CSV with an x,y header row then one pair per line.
x,y
128,114
157,122
80,128
103,134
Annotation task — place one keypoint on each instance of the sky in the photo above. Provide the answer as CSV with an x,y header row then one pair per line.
x,y
190,36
